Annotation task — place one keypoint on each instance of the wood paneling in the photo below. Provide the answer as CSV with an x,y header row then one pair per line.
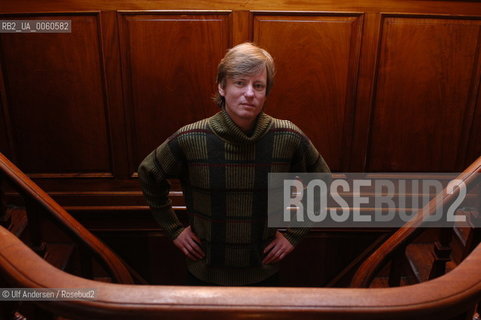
x,y
170,62
474,139
360,139
55,97
424,92
390,85
377,85
316,56
374,6
113,70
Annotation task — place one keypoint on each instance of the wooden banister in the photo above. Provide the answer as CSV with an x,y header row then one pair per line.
x,y
446,297
34,195
401,238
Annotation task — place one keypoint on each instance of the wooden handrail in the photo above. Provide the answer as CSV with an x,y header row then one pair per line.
x,y
442,298
24,185
373,264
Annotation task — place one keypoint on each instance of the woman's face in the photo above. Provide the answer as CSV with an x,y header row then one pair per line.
x,y
244,98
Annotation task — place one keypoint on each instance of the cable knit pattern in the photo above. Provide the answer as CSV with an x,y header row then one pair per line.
x,y
224,175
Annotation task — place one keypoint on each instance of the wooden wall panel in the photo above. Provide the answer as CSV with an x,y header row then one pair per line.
x,y
317,56
170,62
474,138
93,103
424,92
385,85
56,100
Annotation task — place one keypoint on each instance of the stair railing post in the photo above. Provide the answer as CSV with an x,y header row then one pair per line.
x,y
5,216
474,235
86,267
473,221
442,253
34,226
397,263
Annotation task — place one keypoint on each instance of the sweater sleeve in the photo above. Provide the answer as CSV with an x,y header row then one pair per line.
x,y
153,172
308,160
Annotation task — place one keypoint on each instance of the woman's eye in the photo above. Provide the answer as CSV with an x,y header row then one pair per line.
x,y
239,83
259,86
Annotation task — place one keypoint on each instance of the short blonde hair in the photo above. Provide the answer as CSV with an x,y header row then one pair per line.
x,y
244,59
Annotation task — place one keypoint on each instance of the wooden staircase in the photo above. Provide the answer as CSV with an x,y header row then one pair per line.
x,y
450,297
418,253
425,252
412,255
53,235
433,254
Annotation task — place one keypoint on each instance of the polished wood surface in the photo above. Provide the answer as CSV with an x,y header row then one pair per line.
x,y
324,49
40,206
377,86
447,297
55,88
395,245
424,92
170,62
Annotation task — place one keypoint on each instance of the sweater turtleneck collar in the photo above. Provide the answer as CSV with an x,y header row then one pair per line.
x,y
226,129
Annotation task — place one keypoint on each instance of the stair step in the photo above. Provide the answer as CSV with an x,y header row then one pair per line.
x,y
19,220
420,257
103,279
383,282
58,254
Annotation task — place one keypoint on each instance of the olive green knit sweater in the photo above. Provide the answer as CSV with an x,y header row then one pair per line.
x,y
224,176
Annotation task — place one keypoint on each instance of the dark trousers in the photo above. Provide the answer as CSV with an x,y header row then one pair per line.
x,y
272,281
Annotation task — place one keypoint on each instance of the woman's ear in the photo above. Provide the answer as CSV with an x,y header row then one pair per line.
x,y
221,90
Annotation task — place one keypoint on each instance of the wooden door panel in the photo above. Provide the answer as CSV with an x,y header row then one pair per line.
x,y
423,92
56,98
170,62
316,58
